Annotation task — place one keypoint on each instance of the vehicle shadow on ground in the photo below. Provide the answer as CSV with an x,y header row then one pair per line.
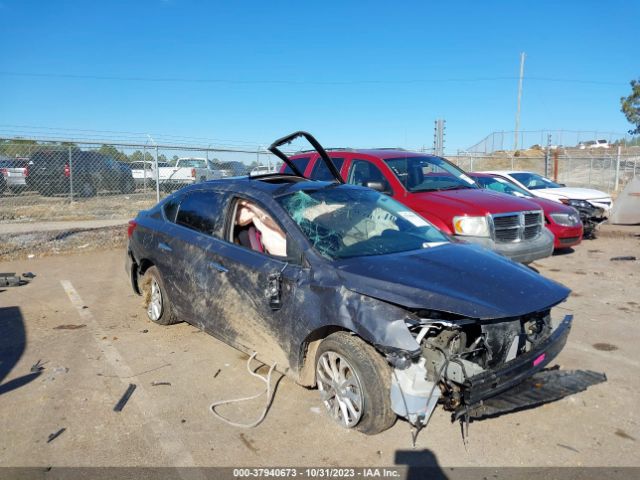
x,y
13,342
562,251
421,464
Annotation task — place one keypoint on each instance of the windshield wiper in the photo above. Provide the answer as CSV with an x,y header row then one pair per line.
x,y
453,187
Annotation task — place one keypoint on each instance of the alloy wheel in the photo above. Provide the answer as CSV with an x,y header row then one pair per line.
x,y
340,389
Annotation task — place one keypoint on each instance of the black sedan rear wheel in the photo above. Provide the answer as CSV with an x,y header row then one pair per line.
x,y
354,383
156,300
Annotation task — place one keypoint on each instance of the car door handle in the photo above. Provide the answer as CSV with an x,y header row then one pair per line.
x,y
165,247
218,267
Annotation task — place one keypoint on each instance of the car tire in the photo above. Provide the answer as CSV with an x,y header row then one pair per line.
x,y
363,383
159,309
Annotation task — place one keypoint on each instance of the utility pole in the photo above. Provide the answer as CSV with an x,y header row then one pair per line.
x,y
438,137
515,141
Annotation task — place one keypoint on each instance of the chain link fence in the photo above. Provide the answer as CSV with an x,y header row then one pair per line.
x,y
41,181
506,141
606,171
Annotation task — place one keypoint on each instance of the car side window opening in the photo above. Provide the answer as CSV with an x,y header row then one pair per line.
x,y
170,209
300,163
200,211
363,172
255,229
321,171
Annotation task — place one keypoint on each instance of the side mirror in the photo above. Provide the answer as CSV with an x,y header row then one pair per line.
x,y
378,186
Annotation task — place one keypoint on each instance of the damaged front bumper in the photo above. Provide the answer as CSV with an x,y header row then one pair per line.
x,y
493,382
518,384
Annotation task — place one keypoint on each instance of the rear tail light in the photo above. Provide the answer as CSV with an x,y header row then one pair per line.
x,y
132,226
67,170
26,171
4,171
193,172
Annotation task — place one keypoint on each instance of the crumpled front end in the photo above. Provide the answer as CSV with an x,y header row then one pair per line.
x,y
477,369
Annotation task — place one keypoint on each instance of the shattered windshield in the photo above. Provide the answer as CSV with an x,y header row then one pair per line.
x,y
351,222
428,174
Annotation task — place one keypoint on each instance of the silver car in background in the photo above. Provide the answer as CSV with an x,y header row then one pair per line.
x,y
15,172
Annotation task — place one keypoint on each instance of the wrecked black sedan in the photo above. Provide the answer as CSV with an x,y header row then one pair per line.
x,y
349,291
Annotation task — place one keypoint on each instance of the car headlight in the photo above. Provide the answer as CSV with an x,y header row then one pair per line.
x,y
471,226
566,219
576,203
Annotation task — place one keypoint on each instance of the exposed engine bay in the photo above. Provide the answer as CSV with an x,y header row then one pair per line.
x,y
473,367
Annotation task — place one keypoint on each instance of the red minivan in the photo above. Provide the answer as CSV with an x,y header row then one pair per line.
x,y
443,194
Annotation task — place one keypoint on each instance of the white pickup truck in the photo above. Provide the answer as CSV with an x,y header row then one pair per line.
x,y
187,171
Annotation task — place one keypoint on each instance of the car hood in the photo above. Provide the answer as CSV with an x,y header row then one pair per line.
x,y
574,193
474,201
456,278
549,206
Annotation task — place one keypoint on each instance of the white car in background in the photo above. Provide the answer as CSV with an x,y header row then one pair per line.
x,y
264,170
143,172
543,187
593,144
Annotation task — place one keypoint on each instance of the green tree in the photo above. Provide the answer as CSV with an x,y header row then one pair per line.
x,y
18,147
113,152
631,107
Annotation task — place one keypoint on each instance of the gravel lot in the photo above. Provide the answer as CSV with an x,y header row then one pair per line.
x,y
81,321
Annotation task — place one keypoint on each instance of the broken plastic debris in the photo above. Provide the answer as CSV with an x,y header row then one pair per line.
x,y
156,384
37,367
55,435
125,398
69,327
629,258
31,255
29,275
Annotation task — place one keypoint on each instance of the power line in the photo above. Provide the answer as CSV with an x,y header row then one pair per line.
x,y
297,82
122,135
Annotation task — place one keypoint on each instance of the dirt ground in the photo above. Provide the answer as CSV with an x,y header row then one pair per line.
x,y
30,207
80,321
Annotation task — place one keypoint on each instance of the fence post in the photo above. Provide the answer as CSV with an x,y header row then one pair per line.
x,y
157,177
590,169
70,174
144,168
617,177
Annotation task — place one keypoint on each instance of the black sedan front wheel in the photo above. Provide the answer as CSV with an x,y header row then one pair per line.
x,y
156,300
354,383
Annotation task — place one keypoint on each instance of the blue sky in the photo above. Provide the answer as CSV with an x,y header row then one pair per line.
x,y
353,73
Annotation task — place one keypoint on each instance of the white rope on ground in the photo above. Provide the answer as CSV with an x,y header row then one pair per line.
x,y
267,390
